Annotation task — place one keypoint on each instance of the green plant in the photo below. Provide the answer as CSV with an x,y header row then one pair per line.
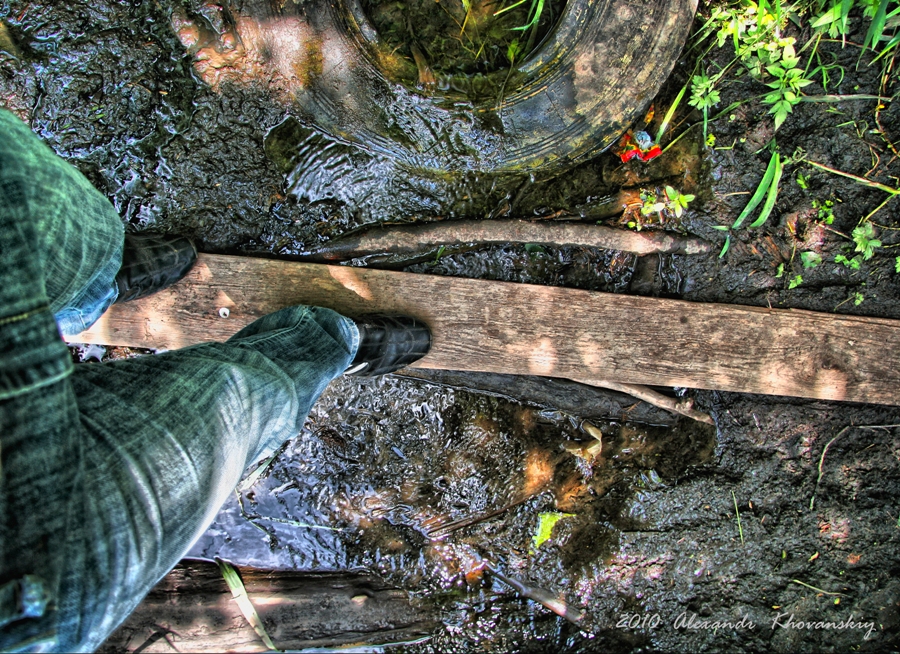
x,y
864,237
802,180
768,187
674,201
677,201
703,97
834,20
882,20
853,263
810,259
534,18
795,282
858,298
824,211
897,265
787,84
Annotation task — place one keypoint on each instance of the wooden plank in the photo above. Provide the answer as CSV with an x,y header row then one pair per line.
x,y
192,610
538,330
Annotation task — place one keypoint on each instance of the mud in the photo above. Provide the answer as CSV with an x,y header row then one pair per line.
x,y
653,553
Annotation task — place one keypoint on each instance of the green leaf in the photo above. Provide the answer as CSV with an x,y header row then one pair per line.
x,y
828,17
772,194
236,586
726,246
764,185
810,259
795,282
780,272
897,265
546,522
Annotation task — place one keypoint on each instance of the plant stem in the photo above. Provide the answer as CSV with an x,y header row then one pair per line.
x,y
857,178
738,514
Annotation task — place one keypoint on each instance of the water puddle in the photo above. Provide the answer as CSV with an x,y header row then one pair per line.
x,y
427,486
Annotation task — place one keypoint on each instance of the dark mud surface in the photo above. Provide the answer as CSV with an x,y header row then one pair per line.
x,y
653,552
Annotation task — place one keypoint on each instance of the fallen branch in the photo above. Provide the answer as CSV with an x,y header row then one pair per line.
x,y
650,396
414,239
557,394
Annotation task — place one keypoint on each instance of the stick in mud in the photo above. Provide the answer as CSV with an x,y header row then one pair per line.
x,y
412,239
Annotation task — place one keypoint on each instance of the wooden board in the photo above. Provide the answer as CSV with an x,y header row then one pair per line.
x,y
538,330
192,610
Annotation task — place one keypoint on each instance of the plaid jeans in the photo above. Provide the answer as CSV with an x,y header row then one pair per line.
x,y
109,472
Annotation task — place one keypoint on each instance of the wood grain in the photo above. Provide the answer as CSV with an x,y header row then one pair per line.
x,y
538,330
192,610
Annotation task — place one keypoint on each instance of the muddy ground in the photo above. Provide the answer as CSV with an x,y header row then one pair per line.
x,y
653,552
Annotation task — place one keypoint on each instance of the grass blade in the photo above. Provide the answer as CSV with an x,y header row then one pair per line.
x,y
772,194
760,191
671,112
726,246
738,514
876,29
512,6
236,586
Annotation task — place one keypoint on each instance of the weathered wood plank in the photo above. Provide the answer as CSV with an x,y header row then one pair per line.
x,y
192,610
524,329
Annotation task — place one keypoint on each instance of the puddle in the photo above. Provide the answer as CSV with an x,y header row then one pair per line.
x,y
423,484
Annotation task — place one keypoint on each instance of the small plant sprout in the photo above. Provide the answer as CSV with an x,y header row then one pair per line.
x,y
824,211
864,237
897,265
678,201
802,180
795,282
652,205
853,263
703,97
738,514
858,298
810,259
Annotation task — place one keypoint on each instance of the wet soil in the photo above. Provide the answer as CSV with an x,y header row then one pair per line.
x,y
785,515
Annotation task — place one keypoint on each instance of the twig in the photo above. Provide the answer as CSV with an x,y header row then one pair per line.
x,y
447,528
650,396
818,590
558,606
841,98
812,500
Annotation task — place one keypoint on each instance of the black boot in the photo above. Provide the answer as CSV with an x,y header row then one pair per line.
x,y
388,343
151,262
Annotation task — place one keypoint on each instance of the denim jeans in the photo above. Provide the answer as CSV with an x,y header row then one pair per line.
x,y
109,472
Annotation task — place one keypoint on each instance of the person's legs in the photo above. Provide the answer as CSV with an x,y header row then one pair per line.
x,y
109,472
79,235
166,438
